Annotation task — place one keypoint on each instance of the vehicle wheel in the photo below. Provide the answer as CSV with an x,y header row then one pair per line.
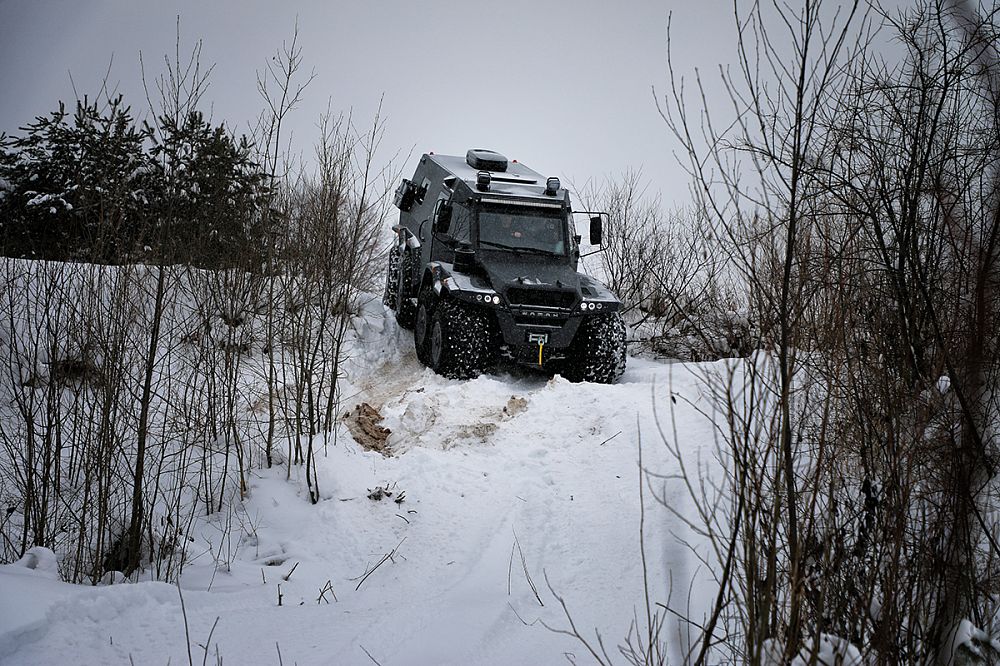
x,y
598,351
406,311
462,342
422,327
391,279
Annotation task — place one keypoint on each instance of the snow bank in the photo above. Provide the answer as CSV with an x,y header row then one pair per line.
x,y
503,495
29,589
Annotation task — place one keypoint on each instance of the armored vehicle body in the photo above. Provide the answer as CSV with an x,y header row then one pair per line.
x,y
484,266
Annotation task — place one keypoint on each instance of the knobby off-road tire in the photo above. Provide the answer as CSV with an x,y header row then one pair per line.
x,y
598,351
406,311
462,343
392,279
422,327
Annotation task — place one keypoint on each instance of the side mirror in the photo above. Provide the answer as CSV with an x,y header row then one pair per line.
x,y
596,229
405,194
442,222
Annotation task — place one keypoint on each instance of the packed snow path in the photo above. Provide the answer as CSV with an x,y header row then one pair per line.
x,y
515,489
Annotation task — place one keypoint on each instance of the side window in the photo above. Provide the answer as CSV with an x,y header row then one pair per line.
x,y
422,190
461,224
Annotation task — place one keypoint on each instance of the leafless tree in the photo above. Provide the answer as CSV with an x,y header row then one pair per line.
x,y
856,196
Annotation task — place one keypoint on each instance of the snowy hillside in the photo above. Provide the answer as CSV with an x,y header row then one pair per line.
x,y
502,497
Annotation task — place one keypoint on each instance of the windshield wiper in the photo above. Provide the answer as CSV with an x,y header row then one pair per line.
x,y
515,248
535,250
499,245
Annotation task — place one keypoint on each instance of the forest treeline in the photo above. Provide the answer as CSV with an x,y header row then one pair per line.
x,y
95,184
176,298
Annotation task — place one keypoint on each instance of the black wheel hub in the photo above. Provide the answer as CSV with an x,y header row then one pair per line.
x,y
437,344
420,330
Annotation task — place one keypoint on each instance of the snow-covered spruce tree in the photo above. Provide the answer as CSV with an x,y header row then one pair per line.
x,y
212,187
75,187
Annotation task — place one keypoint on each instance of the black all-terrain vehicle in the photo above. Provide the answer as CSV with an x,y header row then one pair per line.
x,y
484,267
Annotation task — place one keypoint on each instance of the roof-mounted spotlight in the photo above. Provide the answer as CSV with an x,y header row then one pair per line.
x,y
483,181
552,186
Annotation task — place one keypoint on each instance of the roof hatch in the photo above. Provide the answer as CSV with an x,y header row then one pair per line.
x,y
487,160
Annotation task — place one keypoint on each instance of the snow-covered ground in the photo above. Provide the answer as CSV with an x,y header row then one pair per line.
x,y
516,490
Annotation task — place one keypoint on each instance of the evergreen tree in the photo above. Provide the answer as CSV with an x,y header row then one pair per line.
x,y
75,188
95,186
213,191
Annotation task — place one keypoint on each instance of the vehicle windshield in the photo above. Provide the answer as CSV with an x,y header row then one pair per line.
x,y
529,230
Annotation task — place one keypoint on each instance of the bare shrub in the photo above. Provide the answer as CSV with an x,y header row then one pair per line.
x,y
680,296
131,401
858,454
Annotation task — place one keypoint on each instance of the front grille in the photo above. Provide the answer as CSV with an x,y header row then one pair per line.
x,y
539,316
545,297
524,319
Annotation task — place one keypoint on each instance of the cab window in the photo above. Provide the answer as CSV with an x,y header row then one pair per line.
x,y
461,224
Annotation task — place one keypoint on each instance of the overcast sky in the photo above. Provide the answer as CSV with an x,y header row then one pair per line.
x,y
563,86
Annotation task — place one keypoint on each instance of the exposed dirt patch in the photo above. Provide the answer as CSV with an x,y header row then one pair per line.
x,y
515,405
363,423
480,431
